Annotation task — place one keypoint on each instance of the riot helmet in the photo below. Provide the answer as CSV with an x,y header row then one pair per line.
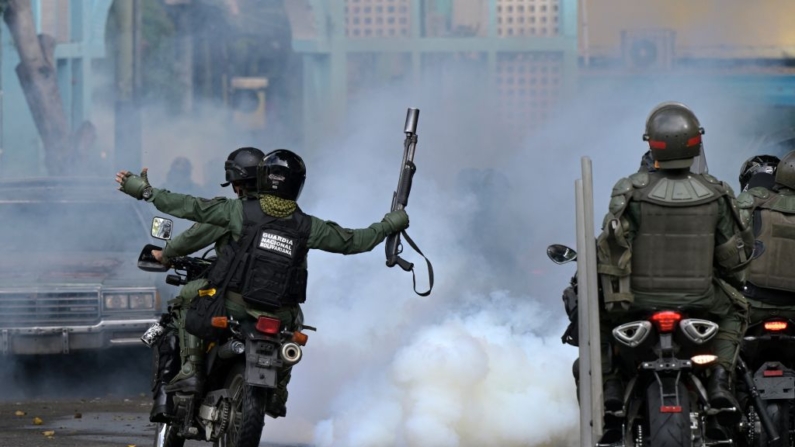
x,y
241,166
785,171
759,170
282,174
674,135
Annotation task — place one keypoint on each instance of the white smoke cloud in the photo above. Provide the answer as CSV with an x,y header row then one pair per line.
x,y
479,377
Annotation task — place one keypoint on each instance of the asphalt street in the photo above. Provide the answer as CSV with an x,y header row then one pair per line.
x,y
78,400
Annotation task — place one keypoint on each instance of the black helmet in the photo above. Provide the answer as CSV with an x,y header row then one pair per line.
x,y
674,135
241,165
281,173
785,171
760,168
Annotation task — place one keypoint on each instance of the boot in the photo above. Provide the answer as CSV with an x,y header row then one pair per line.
x,y
190,379
277,404
719,390
613,395
166,358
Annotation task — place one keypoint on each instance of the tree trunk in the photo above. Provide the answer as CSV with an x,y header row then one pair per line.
x,y
39,80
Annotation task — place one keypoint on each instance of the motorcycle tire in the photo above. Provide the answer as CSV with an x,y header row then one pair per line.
x,y
247,416
779,414
668,429
167,436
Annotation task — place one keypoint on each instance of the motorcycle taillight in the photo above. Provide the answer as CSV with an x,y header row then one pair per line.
x,y
666,320
268,325
775,325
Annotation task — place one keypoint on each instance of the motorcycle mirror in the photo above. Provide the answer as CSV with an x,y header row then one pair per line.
x,y
161,228
759,249
561,254
148,263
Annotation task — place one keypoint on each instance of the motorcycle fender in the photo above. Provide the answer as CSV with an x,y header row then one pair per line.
x,y
262,363
776,387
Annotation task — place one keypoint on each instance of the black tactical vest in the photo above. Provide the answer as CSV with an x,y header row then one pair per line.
x,y
673,250
272,270
772,275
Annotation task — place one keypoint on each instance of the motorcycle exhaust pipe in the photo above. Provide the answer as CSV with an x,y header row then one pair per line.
x,y
231,349
291,353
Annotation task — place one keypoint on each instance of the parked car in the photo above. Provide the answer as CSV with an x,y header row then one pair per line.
x,y
68,276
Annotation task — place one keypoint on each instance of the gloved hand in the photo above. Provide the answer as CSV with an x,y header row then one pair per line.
x,y
134,185
396,221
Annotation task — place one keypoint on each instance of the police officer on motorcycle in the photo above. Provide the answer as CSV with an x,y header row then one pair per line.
x,y
768,206
278,269
674,238
241,172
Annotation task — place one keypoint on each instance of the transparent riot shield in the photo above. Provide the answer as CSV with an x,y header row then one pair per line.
x,y
591,406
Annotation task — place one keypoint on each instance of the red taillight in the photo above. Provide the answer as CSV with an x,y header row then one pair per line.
x,y
670,409
666,321
775,326
268,325
773,373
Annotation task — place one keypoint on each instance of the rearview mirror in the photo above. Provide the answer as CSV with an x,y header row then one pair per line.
x,y
161,228
561,254
148,263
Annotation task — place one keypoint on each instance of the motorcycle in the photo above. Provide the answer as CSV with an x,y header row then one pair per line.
x,y
769,351
665,402
241,367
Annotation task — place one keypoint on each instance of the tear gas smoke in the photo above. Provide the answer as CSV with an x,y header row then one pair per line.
x,y
479,362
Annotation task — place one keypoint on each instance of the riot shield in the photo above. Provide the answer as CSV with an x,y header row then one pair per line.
x,y
591,406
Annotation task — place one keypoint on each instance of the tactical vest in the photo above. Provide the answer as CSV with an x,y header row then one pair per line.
x,y
272,271
774,225
674,247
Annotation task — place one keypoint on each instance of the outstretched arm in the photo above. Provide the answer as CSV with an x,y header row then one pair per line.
x,y
217,211
331,237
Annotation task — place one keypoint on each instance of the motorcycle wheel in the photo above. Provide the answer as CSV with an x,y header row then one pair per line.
x,y
668,429
167,436
247,416
779,414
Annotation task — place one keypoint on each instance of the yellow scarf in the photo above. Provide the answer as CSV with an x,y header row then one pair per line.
x,y
276,206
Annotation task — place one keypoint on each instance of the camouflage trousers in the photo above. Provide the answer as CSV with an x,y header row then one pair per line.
x,y
192,347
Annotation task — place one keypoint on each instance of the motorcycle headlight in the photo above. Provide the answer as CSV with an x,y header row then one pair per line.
x,y
117,301
141,301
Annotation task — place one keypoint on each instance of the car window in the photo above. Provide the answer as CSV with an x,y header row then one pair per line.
x,y
71,227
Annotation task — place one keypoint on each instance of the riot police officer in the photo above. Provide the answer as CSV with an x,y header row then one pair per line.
x,y
770,210
695,218
285,234
241,172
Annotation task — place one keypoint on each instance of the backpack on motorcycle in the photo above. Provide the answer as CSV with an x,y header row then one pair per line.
x,y
210,302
